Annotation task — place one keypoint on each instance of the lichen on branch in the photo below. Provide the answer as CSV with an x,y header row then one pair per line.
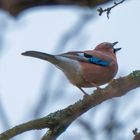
x,y
58,121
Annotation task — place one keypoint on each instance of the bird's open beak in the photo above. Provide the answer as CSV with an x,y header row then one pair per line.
x,y
116,49
115,43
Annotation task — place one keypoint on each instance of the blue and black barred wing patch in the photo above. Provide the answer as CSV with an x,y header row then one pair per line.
x,y
97,61
84,57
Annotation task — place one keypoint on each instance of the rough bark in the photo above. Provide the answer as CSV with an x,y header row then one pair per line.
x,y
58,121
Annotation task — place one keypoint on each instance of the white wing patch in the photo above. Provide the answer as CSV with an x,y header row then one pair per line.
x,y
81,54
71,68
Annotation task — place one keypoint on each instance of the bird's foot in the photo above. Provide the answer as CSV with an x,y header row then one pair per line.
x,y
94,85
97,87
85,94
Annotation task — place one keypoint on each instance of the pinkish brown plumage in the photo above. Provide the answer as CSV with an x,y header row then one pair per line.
x,y
90,68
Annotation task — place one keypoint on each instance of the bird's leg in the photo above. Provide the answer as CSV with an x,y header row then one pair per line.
x,y
94,85
82,91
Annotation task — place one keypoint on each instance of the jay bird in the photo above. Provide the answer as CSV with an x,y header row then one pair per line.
x,y
90,68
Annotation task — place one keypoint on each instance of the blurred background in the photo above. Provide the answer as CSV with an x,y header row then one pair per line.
x,y
31,88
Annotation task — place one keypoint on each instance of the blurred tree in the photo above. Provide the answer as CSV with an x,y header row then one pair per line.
x,y
55,120
16,6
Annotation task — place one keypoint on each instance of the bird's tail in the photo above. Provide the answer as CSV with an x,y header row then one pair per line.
x,y
41,55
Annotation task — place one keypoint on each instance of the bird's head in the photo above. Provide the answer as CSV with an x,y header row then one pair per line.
x,y
107,47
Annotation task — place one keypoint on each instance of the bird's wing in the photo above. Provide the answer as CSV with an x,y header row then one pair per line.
x,y
85,57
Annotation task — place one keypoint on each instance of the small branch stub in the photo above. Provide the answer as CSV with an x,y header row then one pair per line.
x,y
137,134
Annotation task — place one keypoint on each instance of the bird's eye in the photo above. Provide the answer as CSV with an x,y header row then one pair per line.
x,y
87,55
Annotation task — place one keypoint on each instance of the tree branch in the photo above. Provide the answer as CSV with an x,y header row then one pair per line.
x,y
58,121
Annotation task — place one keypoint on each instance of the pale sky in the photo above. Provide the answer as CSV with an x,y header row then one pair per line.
x,y
41,29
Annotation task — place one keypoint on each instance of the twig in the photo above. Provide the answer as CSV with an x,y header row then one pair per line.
x,y
108,10
58,121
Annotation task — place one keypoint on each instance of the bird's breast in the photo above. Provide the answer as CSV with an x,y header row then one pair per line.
x,y
98,75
